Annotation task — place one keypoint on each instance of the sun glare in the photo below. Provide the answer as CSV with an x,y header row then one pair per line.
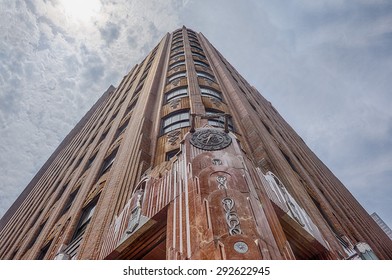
x,y
81,10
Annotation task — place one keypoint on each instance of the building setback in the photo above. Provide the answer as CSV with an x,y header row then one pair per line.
x,y
382,224
186,160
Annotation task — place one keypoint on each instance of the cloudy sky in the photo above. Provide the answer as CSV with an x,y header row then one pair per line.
x,y
325,65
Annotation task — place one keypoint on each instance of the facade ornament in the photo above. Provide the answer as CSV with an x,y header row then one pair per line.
x,y
135,214
232,219
222,180
208,81
176,82
215,101
292,208
241,247
173,137
174,103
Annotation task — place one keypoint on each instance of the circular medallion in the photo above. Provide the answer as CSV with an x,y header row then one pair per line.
x,y
210,139
241,247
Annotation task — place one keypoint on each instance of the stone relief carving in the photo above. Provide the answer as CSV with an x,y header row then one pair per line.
x,y
173,137
135,214
232,219
288,200
215,101
222,180
175,82
207,81
174,103
294,211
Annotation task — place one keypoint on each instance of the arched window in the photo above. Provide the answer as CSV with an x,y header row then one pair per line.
x,y
175,121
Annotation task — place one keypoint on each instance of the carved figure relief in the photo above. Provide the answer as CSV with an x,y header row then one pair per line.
x,y
293,209
135,214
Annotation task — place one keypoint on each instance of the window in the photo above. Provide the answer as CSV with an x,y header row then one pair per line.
x,y
174,56
89,162
175,49
176,64
69,202
194,42
175,121
199,55
192,37
211,93
44,251
131,106
36,235
194,48
171,154
108,162
85,219
177,40
178,93
219,122
176,76
121,130
200,63
177,44
206,75
103,136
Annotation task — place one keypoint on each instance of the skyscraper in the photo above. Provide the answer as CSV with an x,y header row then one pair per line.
x,y
186,160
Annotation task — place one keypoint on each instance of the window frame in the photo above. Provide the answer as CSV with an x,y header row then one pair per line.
x,y
176,64
176,93
211,93
205,75
200,56
175,123
201,63
219,122
176,76
85,218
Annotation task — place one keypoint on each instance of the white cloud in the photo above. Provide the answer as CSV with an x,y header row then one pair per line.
x,y
55,67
